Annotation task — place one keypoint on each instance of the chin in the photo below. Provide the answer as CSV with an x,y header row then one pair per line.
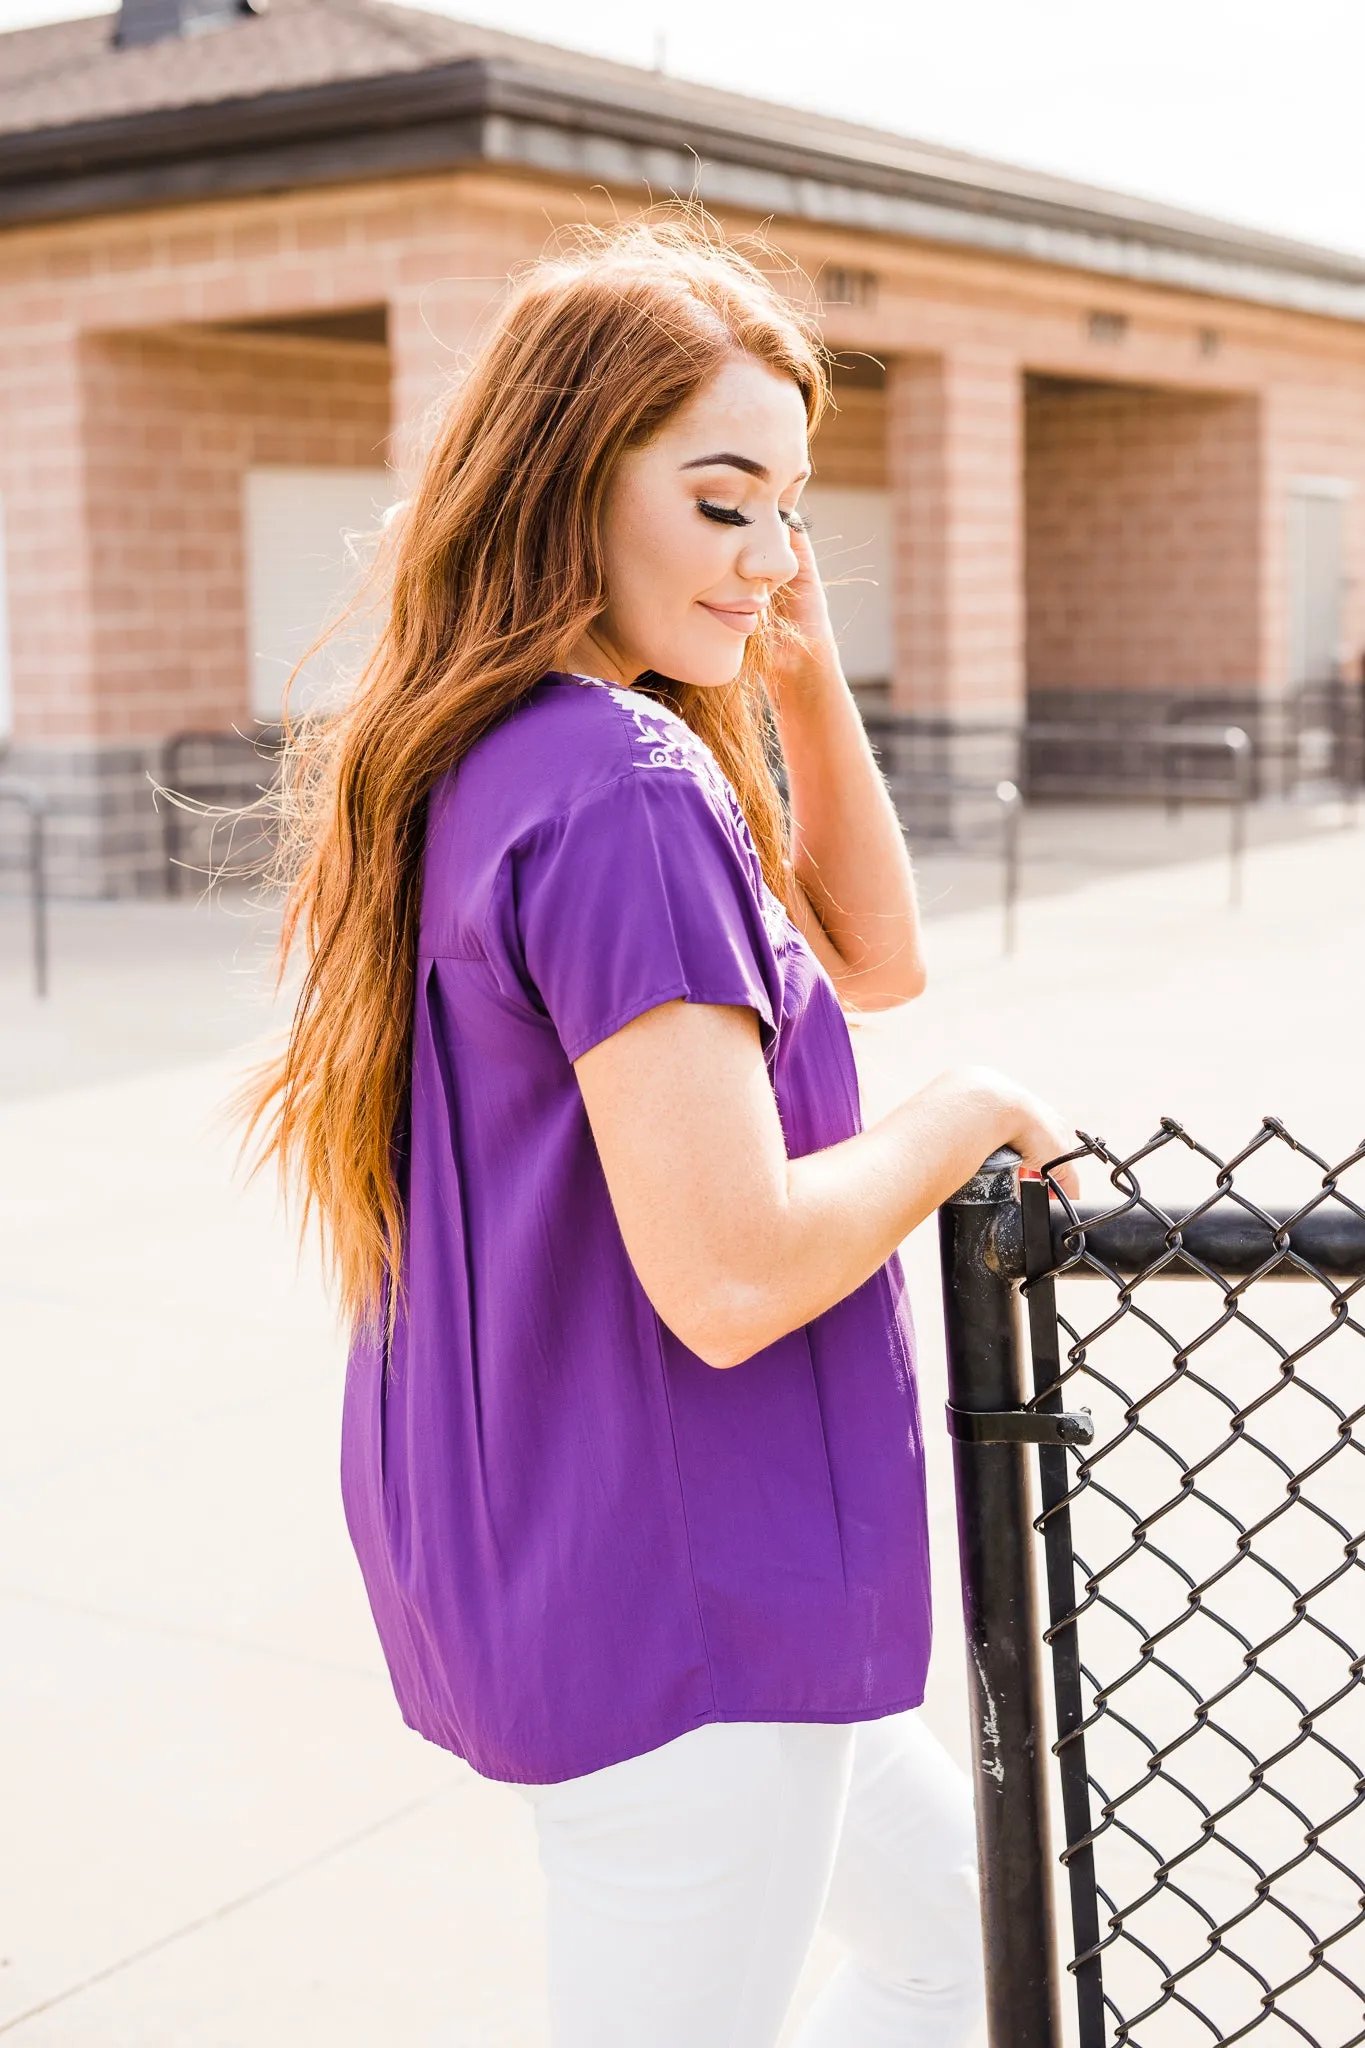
x,y
706,669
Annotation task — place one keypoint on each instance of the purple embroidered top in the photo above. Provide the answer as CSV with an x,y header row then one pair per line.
x,y
578,1539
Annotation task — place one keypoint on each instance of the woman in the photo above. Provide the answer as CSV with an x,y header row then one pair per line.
x,y
631,1452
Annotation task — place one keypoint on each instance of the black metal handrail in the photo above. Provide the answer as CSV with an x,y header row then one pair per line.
x,y
1237,1243
1331,711
226,778
31,800
1132,779
999,842
921,790
1168,743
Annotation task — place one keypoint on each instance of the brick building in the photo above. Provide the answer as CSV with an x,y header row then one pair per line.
x,y
1086,447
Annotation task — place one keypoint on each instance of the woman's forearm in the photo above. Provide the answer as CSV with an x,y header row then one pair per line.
x,y
849,853
843,1211
734,1242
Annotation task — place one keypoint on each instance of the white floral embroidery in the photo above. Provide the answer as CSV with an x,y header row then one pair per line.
x,y
774,917
667,741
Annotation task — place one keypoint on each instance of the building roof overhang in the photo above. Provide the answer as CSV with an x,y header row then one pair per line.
x,y
624,129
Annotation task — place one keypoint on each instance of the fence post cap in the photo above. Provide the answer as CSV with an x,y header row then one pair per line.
x,y
995,1180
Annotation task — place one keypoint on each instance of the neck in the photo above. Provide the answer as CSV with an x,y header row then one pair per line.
x,y
591,657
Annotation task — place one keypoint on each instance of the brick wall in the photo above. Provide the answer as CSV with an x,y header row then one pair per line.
x,y
850,448
173,424
1142,539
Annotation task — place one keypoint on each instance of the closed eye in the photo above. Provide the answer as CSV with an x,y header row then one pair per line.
x,y
727,515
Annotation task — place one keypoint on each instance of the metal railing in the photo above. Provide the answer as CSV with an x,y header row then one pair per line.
x,y
1322,736
25,797
977,815
1311,738
1201,1494
919,757
205,780
1146,764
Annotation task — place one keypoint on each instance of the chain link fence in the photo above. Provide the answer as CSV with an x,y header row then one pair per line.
x,y
1193,1376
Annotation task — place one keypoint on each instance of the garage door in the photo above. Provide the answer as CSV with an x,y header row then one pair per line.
x,y
1316,506
308,537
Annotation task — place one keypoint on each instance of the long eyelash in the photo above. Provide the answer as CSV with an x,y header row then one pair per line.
x,y
793,520
728,515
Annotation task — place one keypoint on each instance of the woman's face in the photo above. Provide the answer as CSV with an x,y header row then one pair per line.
x,y
696,532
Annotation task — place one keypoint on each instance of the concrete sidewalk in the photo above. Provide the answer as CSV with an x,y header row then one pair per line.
x,y
219,1835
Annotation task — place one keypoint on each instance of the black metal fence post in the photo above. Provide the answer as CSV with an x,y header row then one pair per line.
x,y
1054,1481
214,777
1011,804
37,867
981,1245
1239,748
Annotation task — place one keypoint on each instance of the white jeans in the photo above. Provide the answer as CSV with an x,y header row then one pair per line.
x,y
685,1885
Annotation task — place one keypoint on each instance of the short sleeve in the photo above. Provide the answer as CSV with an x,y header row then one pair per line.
x,y
646,892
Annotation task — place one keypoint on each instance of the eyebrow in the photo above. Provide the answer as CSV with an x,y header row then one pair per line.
x,y
744,463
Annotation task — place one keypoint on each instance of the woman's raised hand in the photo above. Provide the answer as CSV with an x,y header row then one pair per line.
x,y
811,652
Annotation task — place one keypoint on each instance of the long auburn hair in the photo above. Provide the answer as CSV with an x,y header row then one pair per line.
x,y
491,572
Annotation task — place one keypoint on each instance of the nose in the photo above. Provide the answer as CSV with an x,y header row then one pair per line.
x,y
768,555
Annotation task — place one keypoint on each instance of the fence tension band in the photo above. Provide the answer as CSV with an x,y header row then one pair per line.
x,y
1019,1426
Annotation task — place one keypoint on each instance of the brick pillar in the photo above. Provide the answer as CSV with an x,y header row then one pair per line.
x,y
93,788
44,484
955,469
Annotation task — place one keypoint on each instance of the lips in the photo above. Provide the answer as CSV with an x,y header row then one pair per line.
x,y
740,618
